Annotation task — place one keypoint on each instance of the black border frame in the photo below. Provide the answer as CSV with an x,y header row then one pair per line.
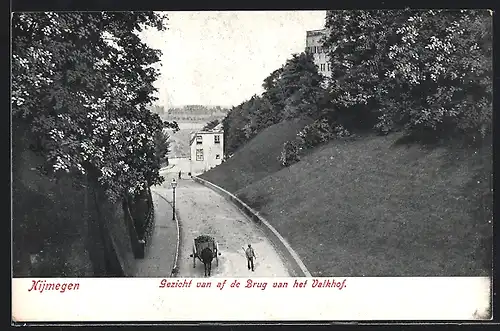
x,y
116,5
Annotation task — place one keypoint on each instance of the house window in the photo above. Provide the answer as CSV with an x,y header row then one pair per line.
x,y
199,139
217,156
328,66
199,155
322,67
217,139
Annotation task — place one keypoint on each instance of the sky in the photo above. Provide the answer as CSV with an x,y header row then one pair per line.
x,y
221,58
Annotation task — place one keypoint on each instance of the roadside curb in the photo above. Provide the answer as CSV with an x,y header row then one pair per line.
x,y
297,266
175,268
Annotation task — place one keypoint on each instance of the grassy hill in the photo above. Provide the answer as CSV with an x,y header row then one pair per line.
x,y
256,159
371,207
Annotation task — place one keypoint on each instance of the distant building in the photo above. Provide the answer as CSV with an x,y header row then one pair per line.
x,y
207,150
314,45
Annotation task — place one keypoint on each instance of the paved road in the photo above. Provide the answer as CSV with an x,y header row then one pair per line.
x,y
203,211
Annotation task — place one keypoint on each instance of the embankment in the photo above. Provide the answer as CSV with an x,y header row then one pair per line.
x,y
373,207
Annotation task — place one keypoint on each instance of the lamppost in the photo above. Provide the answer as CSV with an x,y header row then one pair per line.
x,y
174,185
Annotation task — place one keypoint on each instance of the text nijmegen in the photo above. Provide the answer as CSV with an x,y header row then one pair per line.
x,y
42,285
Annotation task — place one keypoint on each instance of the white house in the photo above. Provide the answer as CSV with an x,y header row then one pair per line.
x,y
207,150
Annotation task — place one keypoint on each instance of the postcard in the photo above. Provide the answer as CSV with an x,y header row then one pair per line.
x,y
327,165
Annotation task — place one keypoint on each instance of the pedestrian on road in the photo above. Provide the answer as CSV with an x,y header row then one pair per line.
x,y
250,253
179,175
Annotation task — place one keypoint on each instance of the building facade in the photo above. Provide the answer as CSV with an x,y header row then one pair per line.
x,y
314,45
207,150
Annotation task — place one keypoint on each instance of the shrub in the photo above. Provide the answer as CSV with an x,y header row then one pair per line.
x,y
385,125
315,133
339,131
321,131
290,152
312,135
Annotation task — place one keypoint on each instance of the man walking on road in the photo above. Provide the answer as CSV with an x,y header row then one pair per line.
x,y
250,253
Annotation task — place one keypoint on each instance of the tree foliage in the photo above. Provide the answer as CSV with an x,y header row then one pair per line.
x,y
233,125
210,125
426,72
301,86
162,142
81,82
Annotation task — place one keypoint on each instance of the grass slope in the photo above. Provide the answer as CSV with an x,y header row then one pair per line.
x,y
256,159
369,207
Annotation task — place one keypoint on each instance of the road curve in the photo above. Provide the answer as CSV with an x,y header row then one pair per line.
x,y
203,211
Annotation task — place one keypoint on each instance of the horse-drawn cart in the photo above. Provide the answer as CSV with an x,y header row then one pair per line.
x,y
205,248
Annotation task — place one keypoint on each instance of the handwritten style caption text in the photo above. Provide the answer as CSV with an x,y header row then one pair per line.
x,y
250,283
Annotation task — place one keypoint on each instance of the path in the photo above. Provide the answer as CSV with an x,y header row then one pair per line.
x,y
203,211
160,255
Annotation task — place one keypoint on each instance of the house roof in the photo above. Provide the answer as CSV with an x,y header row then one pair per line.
x,y
218,127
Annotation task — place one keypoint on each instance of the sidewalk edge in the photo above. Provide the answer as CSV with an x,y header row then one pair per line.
x,y
178,226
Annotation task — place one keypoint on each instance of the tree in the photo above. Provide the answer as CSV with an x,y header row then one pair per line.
x,y
292,91
301,86
162,142
274,95
162,146
234,133
443,61
357,44
426,72
210,125
81,83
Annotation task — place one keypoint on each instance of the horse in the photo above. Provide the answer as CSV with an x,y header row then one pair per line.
x,y
207,256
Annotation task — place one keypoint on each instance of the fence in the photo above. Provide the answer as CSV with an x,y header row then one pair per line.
x,y
141,241
134,237
149,224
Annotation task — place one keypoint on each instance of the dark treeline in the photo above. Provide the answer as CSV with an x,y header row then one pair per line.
x,y
189,110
